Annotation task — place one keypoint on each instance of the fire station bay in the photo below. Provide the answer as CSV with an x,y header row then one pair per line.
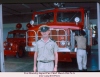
x,y
20,30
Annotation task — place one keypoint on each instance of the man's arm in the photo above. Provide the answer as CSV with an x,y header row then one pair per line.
x,y
56,59
35,61
35,57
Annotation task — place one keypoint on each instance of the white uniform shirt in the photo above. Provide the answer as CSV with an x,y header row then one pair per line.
x,y
46,50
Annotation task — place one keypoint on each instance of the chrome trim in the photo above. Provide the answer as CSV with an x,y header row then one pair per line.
x,y
64,50
30,36
29,49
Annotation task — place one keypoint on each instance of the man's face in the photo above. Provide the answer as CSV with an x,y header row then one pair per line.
x,y
45,34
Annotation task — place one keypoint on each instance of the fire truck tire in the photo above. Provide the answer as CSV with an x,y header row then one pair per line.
x,y
20,53
5,56
17,55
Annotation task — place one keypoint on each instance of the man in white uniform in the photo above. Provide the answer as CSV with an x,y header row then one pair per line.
x,y
46,56
81,51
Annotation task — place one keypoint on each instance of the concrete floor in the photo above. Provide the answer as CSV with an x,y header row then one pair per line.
x,y
25,64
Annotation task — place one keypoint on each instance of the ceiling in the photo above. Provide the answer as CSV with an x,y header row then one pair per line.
x,y
19,13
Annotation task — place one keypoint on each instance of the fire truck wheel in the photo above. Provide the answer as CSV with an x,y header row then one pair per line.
x,y
5,56
20,53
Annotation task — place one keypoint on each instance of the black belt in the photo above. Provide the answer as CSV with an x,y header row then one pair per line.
x,y
45,61
81,48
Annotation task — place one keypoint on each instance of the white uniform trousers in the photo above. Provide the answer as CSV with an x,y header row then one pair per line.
x,y
45,67
81,59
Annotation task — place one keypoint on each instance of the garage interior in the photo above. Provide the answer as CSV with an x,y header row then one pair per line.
x,y
22,13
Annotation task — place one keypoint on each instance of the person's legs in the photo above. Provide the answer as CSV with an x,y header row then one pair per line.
x,y
79,59
49,66
40,67
43,67
84,61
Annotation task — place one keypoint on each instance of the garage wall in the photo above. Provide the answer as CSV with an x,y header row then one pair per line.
x,y
94,21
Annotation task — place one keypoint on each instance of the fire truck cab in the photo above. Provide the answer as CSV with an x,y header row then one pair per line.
x,y
64,24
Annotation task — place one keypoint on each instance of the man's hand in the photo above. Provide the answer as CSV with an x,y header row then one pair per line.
x,y
55,69
34,69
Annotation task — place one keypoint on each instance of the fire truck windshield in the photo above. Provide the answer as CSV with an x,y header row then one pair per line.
x,y
16,35
44,18
62,16
68,16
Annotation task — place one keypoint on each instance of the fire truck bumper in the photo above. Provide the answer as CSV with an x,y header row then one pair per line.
x,y
29,49
65,54
63,50
9,53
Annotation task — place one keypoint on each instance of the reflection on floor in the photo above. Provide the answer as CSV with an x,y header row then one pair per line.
x,y
93,61
25,64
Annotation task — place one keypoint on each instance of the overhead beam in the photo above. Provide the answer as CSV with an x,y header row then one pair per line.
x,y
43,5
9,13
11,9
51,5
40,1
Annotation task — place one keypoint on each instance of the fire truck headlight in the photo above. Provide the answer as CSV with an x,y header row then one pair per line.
x,y
11,44
4,44
77,19
9,48
31,22
62,42
68,43
33,43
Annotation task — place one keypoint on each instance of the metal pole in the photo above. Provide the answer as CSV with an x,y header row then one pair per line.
x,y
88,25
98,25
86,21
2,65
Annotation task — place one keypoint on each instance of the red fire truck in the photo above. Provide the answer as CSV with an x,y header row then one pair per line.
x,y
64,24
15,42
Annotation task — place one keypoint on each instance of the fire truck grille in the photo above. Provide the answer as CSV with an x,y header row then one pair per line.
x,y
59,35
